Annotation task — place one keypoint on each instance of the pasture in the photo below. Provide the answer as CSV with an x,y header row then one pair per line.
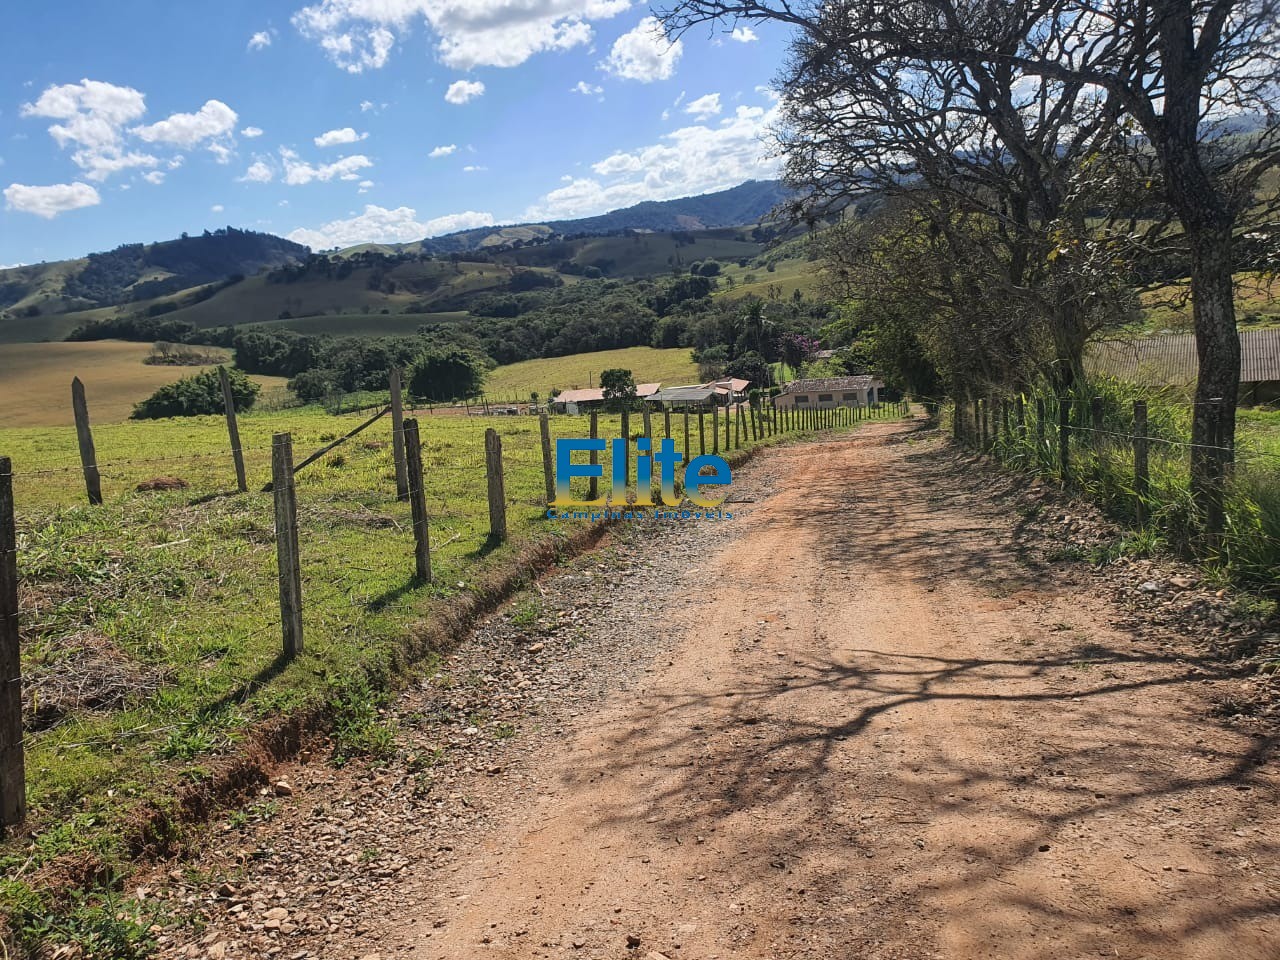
x,y
35,380
647,364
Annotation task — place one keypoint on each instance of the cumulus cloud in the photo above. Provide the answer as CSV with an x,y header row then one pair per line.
x,y
744,35
298,172
644,53
462,91
211,125
704,107
474,168
359,35
249,133
588,89
692,160
442,151
382,225
217,208
155,176
91,116
260,40
335,137
52,200
258,172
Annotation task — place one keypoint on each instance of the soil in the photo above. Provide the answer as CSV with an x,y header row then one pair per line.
x,y
880,713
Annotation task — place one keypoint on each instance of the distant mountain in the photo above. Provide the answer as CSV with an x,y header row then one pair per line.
x,y
748,203
136,271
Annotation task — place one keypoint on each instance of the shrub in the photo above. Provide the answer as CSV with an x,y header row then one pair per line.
x,y
193,396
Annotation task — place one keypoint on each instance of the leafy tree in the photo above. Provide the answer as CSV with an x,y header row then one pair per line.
x,y
619,388
750,366
712,361
197,395
444,375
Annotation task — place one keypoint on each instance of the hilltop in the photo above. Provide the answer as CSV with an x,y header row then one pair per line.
x,y
237,277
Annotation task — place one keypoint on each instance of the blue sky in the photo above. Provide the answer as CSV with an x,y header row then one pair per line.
x,y
343,121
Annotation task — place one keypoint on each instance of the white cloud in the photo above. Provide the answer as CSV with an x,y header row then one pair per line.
x,y
335,137
250,133
644,53
359,35
260,40
382,225
155,176
692,160
217,208
365,186
258,172
588,89
211,122
461,91
744,35
442,151
92,115
52,200
704,107
297,172
366,106
474,168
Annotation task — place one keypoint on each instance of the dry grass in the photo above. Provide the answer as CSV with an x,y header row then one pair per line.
x,y
35,381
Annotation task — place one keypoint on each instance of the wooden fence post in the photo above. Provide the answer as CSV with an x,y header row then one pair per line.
x,y
715,428
702,432
1064,438
686,433
666,421
648,425
233,429
397,436
13,781
88,456
1141,469
288,562
497,490
1095,408
548,480
726,426
594,482
737,428
417,501
626,449
1040,415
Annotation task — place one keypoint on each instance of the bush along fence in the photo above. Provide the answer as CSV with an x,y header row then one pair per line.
x,y
340,550
1130,452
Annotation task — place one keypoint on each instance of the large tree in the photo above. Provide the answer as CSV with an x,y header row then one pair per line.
x,y
1021,104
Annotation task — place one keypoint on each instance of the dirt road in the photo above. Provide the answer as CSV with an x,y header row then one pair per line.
x,y
876,732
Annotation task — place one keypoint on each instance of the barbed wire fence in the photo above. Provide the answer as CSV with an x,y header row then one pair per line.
x,y
1133,454
455,490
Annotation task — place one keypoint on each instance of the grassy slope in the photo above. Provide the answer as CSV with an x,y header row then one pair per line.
x,y
647,365
35,380
1168,309
787,277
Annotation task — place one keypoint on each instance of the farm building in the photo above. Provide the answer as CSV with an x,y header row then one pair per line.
x,y
732,389
831,392
692,398
592,398
1171,362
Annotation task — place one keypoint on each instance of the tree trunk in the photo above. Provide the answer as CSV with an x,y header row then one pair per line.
x,y
1218,349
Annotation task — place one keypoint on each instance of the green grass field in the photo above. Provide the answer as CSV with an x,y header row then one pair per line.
x,y
1168,309
35,381
787,277
648,365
